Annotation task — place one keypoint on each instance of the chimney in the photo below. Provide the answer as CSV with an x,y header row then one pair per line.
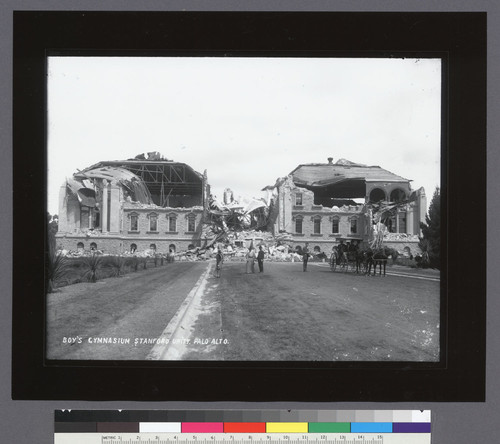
x,y
330,160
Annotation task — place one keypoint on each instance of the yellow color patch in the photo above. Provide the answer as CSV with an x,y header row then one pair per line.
x,y
287,427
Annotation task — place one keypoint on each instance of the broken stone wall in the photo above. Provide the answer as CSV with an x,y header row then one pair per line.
x,y
183,201
69,212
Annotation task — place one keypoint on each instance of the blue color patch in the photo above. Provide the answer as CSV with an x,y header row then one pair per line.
x,y
371,427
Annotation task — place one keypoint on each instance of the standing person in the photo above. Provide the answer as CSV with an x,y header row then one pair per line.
x,y
260,259
250,260
219,258
305,256
341,248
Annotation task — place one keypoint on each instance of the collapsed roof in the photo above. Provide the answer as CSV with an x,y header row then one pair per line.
x,y
341,179
128,180
152,180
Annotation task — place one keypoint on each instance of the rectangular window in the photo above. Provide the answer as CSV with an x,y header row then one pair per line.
x,y
402,222
317,225
354,226
298,226
392,227
84,217
191,223
134,226
298,199
335,226
172,223
153,223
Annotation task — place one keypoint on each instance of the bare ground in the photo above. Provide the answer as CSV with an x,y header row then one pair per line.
x,y
282,314
286,314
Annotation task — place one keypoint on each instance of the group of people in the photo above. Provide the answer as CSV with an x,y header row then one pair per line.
x,y
250,259
253,255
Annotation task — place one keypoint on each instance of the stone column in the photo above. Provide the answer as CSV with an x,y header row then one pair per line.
x,y
410,219
114,210
63,208
104,207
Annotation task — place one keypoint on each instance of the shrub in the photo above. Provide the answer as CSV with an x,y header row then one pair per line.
x,y
424,259
118,264
57,265
92,265
57,270
430,242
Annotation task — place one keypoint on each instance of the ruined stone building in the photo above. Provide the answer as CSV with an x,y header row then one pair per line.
x,y
326,203
145,203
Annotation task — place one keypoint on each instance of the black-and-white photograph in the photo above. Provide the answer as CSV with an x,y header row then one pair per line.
x,y
244,208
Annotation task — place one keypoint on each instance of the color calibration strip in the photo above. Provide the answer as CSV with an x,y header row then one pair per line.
x,y
338,421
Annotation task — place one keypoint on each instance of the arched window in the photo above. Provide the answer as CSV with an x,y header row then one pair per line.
x,y
191,247
335,224
353,225
402,221
298,224
172,222
316,224
133,248
153,222
134,221
191,222
80,246
152,247
376,195
397,195
317,249
171,247
93,246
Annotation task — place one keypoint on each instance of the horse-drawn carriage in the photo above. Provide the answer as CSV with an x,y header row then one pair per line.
x,y
359,261
350,260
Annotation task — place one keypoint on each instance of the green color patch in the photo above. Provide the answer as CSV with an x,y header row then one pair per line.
x,y
329,427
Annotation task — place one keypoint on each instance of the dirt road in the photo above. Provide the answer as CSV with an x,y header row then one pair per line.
x,y
117,318
282,314
286,314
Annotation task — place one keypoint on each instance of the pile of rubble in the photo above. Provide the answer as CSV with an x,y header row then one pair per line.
x,y
236,244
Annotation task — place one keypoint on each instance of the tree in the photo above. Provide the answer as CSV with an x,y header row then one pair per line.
x,y
52,223
430,242
57,264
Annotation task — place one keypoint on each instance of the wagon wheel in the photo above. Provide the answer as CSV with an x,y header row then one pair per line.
x,y
363,267
353,265
344,264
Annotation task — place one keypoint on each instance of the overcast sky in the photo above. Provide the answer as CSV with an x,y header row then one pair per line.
x,y
247,121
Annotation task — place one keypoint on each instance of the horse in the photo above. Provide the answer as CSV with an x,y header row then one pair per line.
x,y
380,259
334,258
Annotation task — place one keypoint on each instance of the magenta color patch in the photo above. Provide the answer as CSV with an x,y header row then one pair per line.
x,y
202,427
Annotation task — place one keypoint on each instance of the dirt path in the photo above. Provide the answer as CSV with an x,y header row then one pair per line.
x,y
285,314
280,315
117,318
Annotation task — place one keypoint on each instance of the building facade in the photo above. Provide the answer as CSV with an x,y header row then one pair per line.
x,y
137,205
325,204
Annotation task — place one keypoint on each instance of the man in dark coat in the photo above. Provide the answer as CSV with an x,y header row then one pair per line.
x,y
305,256
260,259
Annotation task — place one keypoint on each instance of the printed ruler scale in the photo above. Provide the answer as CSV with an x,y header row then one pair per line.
x,y
268,427
148,438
